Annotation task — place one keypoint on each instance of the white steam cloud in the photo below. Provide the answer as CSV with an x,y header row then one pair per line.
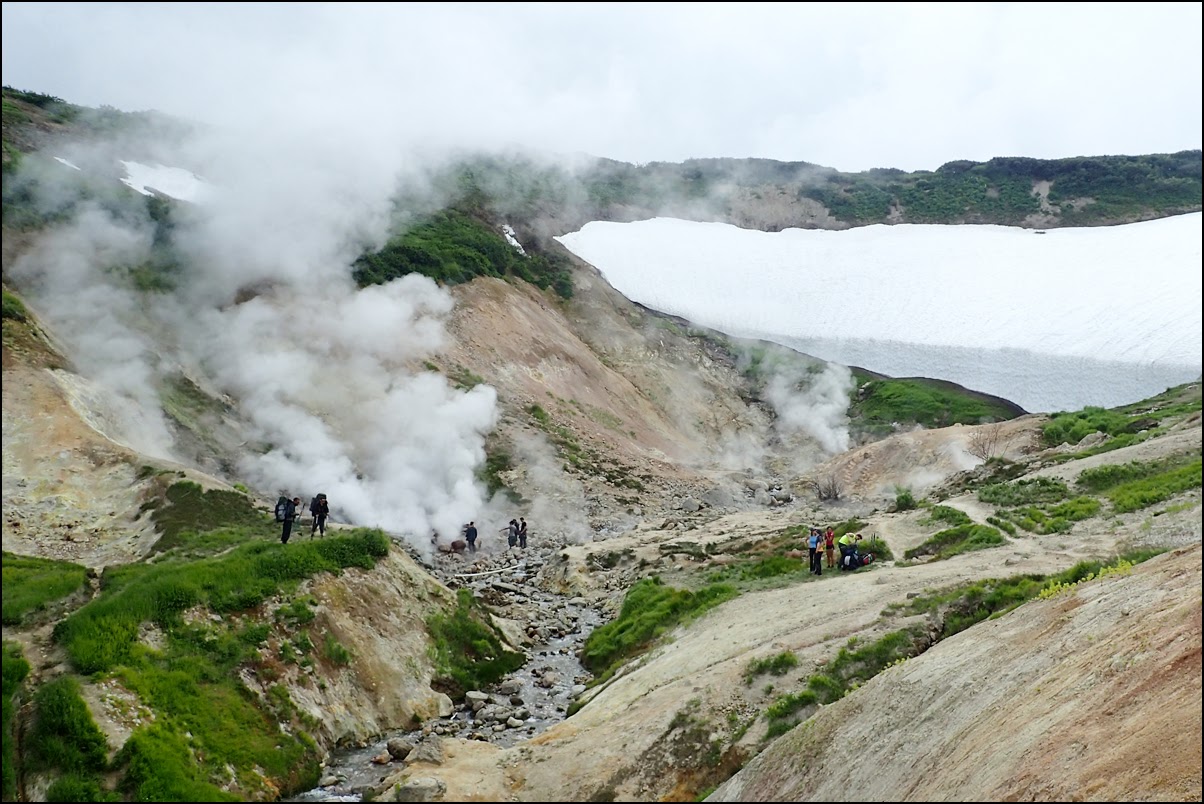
x,y
328,378
820,409
97,321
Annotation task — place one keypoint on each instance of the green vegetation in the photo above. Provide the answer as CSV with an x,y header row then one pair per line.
x,y
773,566
185,511
63,736
852,667
954,541
1044,505
1138,494
206,726
452,247
1071,428
1001,190
468,649
1038,505
650,609
14,308
30,584
962,606
1030,491
904,499
777,665
497,461
15,670
103,633
880,404
949,516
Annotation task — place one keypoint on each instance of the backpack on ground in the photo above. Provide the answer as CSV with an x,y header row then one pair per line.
x,y
282,509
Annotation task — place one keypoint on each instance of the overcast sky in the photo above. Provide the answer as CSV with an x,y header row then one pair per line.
x,y
850,86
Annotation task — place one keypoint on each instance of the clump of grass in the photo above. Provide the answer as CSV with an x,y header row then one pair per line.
x,y
30,584
853,666
468,649
777,665
335,651
954,541
950,516
63,736
13,307
1031,491
962,606
904,499
15,671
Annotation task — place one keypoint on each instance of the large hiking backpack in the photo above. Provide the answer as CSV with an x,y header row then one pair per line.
x,y
282,509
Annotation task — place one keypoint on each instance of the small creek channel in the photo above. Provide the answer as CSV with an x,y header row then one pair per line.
x,y
520,706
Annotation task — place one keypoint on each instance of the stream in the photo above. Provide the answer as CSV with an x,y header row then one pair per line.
x,y
520,706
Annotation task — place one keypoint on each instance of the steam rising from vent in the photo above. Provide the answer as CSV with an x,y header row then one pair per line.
x,y
820,409
329,379
94,318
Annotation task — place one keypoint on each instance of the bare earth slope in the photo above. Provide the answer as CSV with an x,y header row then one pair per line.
x,y
1093,695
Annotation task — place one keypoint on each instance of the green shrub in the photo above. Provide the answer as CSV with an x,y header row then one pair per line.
x,y
904,500
335,651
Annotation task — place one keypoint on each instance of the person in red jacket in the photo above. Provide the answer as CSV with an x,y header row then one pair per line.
x,y
830,548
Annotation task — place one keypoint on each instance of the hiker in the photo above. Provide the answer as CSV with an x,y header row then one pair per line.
x,y
512,533
813,542
850,557
522,533
830,548
287,517
320,509
470,536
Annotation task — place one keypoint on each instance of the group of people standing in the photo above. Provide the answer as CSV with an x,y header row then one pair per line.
x,y
288,511
516,534
821,546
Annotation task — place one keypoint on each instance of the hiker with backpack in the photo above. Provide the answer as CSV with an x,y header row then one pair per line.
x,y
286,514
320,509
470,536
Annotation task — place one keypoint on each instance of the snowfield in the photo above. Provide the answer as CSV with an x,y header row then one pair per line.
x,y
1052,321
